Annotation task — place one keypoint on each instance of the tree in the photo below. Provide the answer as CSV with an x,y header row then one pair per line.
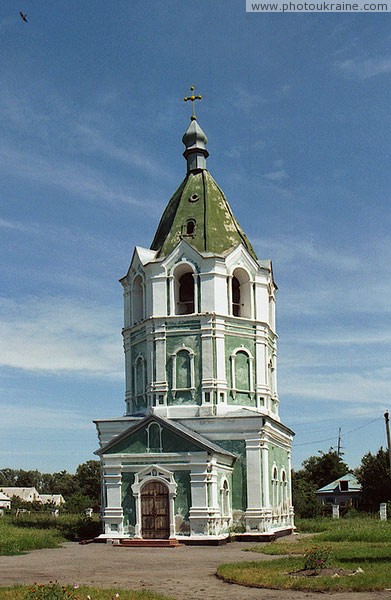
x,y
375,478
304,500
323,469
89,481
316,472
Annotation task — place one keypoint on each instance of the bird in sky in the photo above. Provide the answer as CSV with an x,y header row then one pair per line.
x,y
24,16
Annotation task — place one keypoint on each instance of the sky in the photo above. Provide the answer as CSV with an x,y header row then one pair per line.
x,y
296,108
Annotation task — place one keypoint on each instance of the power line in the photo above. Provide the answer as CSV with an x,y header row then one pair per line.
x,y
365,425
333,438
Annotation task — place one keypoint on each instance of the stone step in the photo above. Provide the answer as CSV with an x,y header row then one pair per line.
x,y
140,543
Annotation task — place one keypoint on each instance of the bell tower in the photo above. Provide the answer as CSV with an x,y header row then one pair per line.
x,y
200,347
199,332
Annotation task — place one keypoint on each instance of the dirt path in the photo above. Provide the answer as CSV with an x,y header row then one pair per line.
x,y
184,573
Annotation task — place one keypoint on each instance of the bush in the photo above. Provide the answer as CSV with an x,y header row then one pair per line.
x,y
316,559
71,527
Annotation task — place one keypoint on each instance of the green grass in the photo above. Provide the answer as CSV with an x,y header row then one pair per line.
x,y
42,530
19,593
360,542
17,540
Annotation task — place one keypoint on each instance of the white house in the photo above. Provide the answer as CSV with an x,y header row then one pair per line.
x,y
56,499
5,501
28,494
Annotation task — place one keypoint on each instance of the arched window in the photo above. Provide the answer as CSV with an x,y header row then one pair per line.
x,y
183,370
154,438
241,294
235,297
242,371
183,374
284,491
139,382
190,227
186,294
225,504
275,489
184,290
137,300
242,375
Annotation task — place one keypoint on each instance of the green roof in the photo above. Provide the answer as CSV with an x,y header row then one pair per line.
x,y
199,213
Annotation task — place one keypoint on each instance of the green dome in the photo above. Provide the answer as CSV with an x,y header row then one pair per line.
x,y
199,213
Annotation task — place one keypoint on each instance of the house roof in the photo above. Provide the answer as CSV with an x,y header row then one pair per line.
x,y
55,498
184,432
21,492
346,484
3,496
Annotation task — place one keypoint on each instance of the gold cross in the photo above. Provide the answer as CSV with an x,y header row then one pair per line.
x,y
192,98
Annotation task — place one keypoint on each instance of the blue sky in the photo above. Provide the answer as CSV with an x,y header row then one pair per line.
x,y
297,111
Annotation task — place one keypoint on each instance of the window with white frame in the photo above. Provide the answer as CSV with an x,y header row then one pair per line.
x,y
275,489
242,366
284,490
183,371
137,299
139,381
154,438
184,290
225,503
241,294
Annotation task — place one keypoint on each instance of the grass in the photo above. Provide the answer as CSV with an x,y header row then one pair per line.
x,y
18,540
42,530
354,543
85,593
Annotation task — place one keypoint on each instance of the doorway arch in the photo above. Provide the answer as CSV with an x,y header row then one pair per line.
x,y
155,511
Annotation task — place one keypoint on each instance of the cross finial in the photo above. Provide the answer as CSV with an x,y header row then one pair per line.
x,y
192,98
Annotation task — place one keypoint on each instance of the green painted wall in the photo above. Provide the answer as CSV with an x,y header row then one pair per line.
x,y
277,457
128,502
239,475
182,502
136,443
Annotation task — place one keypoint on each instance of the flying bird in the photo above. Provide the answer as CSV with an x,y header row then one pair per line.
x,y
24,16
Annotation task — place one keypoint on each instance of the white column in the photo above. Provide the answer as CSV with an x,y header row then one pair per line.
x,y
199,511
113,514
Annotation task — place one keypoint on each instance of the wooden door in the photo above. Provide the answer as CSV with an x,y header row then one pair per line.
x,y
155,517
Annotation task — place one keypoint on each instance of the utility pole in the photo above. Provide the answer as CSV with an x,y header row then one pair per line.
x,y
387,420
339,443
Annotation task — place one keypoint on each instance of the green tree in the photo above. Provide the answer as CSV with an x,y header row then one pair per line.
x,y
89,481
325,468
375,478
304,499
316,472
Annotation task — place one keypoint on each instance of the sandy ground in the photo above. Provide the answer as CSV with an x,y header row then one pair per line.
x,y
184,573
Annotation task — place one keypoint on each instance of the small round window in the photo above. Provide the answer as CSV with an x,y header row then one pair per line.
x,y
194,198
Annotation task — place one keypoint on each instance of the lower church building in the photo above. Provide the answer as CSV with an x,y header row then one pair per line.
x,y
201,450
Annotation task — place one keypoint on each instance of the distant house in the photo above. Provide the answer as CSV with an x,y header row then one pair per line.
x,y
56,499
345,491
28,494
5,501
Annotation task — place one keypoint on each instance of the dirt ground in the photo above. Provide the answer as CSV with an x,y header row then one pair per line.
x,y
184,573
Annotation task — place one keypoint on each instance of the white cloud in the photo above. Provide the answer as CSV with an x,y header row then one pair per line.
x,y
42,417
369,388
14,225
75,178
60,336
287,250
365,68
247,101
277,176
